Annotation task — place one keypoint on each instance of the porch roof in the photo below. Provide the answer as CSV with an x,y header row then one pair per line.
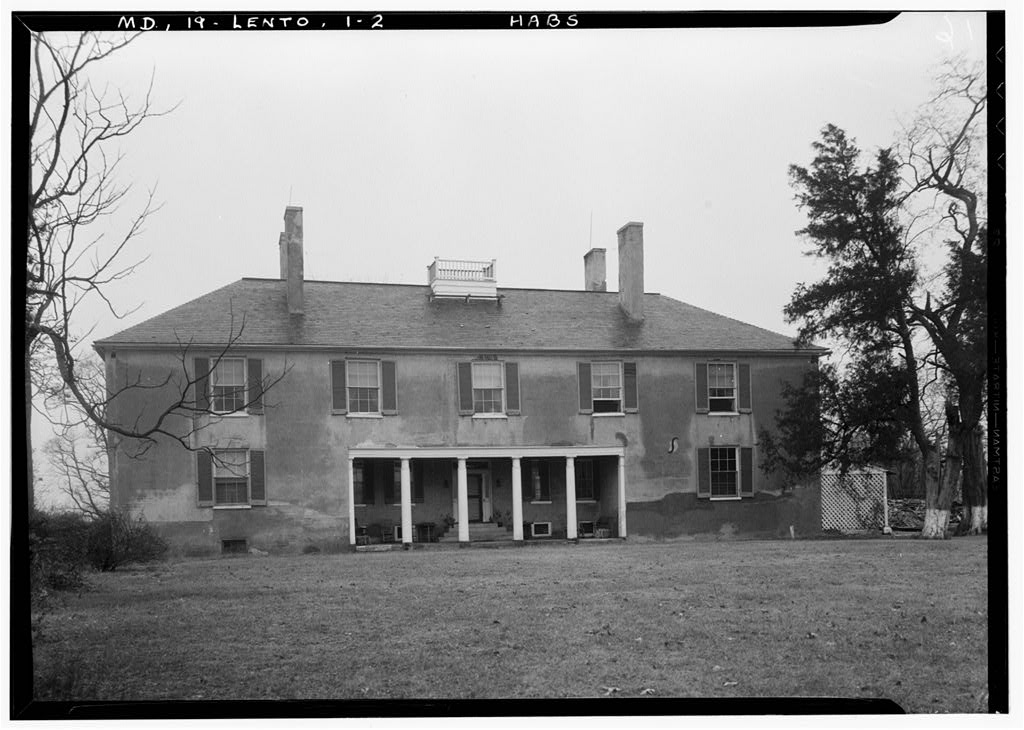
x,y
480,452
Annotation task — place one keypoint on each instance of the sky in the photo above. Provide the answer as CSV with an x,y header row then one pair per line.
x,y
525,147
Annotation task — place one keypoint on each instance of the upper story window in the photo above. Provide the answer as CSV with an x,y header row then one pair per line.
x,y
363,386
721,387
228,382
488,387
607,387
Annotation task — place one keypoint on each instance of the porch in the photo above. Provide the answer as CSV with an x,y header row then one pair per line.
x,y
485,494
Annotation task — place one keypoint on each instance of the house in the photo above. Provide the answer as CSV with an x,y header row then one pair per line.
x,y
434,412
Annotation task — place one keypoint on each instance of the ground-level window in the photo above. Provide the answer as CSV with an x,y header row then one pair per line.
x,y
537,481
586,486
228,385
231,477
724,472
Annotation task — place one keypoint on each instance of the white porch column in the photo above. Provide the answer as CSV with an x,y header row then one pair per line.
x,y
517,499
622,496
570,498
351,504
463,502
406,503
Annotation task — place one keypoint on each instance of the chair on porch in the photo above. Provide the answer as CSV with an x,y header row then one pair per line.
x,y
374,533
387,531
362,536
602,528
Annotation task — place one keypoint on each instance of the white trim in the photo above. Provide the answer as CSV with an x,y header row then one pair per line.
x,y
722,413
380,389
472,387
481,452
232,506
533,529
350,414
586,501
540,501
491,416
606,415
725,499
211,384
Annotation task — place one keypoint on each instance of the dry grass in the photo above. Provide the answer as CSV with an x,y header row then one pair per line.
x,y
900,618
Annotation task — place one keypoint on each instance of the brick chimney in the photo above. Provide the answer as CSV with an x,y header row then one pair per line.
x,y
290,244
594,270
631,270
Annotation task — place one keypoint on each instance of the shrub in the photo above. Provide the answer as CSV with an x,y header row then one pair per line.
x,y
116,538
57,544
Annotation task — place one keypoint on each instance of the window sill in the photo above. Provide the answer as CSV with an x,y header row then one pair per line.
x,y
725,499
617,414
540,501
231,414
490,416
232,506
364,415
723,413
586,501
359,505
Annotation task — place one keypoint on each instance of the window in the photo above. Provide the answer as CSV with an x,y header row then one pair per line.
x,y
363,386
488,388
536,481
228,380
606,387
586,489
724,472
392,482
721,387
231,478
362,481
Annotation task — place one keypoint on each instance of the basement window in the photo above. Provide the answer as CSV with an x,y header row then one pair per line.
x,y
540,529
234,546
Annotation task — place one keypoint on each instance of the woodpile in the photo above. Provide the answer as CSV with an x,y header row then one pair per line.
x,y
908,514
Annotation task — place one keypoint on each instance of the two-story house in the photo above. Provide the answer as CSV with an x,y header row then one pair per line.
x,y
422,412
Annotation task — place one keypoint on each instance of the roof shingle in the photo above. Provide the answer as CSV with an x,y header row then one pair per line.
x,y
400,316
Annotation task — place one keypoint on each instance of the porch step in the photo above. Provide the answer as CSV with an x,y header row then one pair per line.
x,y
479,532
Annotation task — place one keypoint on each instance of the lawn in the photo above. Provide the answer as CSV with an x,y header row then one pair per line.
x,y
898,618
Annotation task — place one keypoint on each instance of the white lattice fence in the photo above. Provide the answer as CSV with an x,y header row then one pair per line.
x,y
854,501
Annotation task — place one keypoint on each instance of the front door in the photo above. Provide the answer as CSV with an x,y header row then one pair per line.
x,y
475,496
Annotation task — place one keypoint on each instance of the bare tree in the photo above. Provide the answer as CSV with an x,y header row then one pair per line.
x,y
75,129
943,160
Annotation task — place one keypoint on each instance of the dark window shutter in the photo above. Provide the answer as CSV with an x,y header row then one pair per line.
x,y
389,480
465,377
586,400
389,386
202,377
704,472
526,474
744,378
257,478
339,392
701,380
629,394
512,388
255,394
747,471
204,478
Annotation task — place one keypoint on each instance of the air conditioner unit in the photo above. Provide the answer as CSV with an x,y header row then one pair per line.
x,y
540,529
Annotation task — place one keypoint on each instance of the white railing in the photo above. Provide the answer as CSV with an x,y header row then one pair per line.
x,y
460,270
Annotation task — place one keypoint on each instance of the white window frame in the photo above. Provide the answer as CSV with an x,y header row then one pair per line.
x,y
533,529
349,387
593,389
217,459
501,370
735,390
711,474
240,410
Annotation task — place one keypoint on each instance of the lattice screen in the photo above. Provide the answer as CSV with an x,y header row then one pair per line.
x,y
856,501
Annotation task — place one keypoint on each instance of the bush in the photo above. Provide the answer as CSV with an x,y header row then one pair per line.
x,y
57,544
116,538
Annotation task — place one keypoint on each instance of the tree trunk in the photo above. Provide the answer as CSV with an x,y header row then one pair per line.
x,y
28,431
936,486
975,485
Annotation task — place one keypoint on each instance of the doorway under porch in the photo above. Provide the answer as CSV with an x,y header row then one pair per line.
x,y
469,494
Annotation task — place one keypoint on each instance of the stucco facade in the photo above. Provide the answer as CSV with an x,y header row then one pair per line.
x,y
324,469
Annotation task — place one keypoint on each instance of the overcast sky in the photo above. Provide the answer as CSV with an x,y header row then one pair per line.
x,y
528,147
